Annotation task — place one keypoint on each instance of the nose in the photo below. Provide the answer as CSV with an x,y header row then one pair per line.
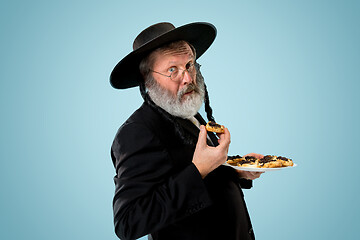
x,y
186,77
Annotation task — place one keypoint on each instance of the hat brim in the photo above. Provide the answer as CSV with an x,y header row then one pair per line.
x,y
126,73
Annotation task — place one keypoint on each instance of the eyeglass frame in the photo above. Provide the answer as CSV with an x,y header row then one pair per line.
x,y
182,74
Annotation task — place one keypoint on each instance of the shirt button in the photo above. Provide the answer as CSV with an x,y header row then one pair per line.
x,y
251,230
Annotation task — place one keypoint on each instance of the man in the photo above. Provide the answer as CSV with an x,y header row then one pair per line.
x,y
170,181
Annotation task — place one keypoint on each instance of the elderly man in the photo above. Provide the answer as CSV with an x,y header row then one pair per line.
x,y
170,181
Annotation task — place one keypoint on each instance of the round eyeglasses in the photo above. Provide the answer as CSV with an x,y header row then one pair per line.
x,y
178,74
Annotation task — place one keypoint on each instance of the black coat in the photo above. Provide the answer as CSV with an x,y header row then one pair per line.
x,y
159,191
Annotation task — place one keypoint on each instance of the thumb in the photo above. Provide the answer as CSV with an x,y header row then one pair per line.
x,y
202,137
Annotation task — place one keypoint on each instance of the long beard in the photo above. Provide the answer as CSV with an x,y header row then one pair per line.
x,y
179,106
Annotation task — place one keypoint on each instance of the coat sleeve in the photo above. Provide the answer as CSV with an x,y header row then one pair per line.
x,y
149,193
245,183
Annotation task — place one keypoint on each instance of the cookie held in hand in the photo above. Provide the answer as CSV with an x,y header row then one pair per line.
x,y
214,127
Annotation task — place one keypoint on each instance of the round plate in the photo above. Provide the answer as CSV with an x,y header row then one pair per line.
x,y
258,169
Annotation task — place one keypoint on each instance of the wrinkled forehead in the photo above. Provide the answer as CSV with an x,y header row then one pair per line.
x,y
180,49
173,49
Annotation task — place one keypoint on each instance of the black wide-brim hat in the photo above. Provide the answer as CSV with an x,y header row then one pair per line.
x,y
126,73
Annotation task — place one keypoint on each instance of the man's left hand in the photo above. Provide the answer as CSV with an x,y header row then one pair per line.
x,y
249,175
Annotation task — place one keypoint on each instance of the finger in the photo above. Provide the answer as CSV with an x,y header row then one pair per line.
x,y
219,134
256,174
225,138
202,137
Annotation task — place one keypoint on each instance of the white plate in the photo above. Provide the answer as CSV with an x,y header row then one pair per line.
x,y
258,169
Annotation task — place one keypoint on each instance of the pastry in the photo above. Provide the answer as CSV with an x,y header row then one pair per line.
x,y
286,162
214,127
249,161
234,160
268,161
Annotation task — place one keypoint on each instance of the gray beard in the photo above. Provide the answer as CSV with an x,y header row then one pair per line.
x,y
186,108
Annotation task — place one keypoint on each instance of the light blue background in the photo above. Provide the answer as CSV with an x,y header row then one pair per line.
x,y
283,76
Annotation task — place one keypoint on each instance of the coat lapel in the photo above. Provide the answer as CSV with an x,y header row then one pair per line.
x,y
189,127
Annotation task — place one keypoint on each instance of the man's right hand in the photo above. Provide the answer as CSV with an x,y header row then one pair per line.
x,y
207,158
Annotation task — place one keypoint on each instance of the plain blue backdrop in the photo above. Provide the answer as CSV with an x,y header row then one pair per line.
x,y
283,76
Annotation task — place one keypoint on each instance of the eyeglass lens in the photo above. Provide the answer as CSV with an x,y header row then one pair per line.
x,y
177,74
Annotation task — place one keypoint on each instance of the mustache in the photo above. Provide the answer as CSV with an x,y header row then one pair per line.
x,y
190,87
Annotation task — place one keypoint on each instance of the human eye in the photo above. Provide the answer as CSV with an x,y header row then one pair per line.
x,y
189,65
172,69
